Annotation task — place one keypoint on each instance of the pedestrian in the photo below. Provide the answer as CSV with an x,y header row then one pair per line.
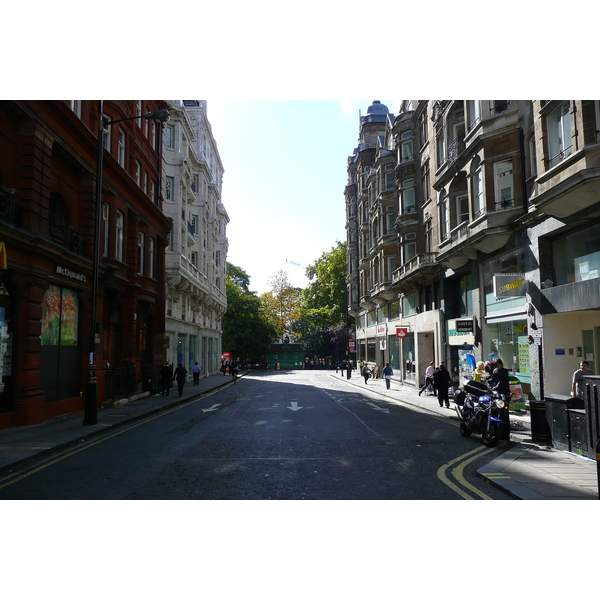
x,y
428,378
376,371
387,373
480,374
349,369
166,375
578,384
366,373
196,373
501,384
233,368
180,374
441,383
224,365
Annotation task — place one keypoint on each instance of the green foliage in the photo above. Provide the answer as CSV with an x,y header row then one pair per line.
x,y
247,333
282,305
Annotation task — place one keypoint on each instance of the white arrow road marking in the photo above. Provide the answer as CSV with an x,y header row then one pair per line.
x,y
294,406
213,407
375,407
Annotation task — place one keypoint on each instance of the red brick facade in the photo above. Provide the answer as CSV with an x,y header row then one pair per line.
x,y
48,163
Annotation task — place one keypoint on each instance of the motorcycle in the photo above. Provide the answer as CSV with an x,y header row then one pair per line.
x,y
479,407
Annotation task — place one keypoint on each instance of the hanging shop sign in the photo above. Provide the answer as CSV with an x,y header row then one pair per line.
x,y
509,285
461,332
401,332
381,329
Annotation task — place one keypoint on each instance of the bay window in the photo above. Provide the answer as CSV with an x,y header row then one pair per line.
x,y
560,143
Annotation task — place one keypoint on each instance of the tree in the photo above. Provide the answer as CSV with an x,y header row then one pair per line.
x,y
323,323
282,304
247,333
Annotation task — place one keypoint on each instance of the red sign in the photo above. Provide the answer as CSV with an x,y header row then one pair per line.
x,y
401,332
351,344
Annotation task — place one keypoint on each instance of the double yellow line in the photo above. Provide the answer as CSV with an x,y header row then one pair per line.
x,y
458,474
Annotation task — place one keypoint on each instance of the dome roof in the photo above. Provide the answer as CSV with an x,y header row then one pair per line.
x,y
377,108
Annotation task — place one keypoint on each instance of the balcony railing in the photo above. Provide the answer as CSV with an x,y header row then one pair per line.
x,y
455,148
414,264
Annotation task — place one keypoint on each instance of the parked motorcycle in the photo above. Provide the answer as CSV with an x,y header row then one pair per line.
x,y
478,407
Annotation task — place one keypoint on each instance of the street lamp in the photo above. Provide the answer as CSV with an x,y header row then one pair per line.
x,y
90,416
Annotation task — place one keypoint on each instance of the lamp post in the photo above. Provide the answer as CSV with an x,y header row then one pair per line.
x,y
90,416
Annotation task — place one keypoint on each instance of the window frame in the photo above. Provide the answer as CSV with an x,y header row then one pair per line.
x,y
502,202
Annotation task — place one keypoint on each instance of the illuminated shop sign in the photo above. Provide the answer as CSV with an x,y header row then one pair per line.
x,y
509,285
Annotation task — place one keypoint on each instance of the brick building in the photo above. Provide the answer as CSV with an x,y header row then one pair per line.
x,y
48,162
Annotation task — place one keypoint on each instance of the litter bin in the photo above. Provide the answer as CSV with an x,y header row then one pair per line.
x,y
558,419
540,432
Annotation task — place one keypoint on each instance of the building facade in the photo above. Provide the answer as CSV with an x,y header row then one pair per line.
x,y
197,250
48,172
495,207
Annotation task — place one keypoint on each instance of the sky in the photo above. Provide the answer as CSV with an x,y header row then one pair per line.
x,y
285,173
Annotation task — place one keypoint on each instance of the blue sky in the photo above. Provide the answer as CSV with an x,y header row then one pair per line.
x,y
285,173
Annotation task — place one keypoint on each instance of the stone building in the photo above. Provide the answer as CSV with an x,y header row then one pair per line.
x,y
496,210
197,250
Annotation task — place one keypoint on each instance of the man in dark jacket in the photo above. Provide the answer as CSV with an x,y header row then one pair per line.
x,y
500,383
180,375
166,375
441,382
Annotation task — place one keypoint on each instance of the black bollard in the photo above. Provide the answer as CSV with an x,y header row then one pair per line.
x,y
598,466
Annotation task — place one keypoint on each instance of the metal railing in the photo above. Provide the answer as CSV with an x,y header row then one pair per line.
x,y
121,382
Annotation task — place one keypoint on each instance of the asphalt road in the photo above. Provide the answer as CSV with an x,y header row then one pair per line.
x,y
272,435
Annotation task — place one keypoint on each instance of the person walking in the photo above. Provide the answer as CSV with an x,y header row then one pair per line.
x,y
366,373
387,373
166,375
349,369
501,384
578,384
196,373
233,367
428,378
441,383
180,374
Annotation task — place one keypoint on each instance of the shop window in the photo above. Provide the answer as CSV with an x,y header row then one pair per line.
x,y
59,352
577,256
6,351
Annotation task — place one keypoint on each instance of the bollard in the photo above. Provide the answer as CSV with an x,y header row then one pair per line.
x,y
598,465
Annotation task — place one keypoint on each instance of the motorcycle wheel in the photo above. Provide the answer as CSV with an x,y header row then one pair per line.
x,y
492,437
464,430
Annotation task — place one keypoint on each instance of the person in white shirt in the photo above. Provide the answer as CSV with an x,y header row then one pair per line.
x,y
428,378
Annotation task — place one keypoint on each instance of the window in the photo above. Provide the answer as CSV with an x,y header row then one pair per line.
x,y
76,107
121,148
441,148
152,190
195,184
151,258
410,251
462,209
389,177
146,182
105,230
428,230
169,137
473,112
444,219
408,196
140,253
138,173
425,181
194,224
138,111
406,147
503,176
560,143
391,266
389,223
194,259
423,135
576,256
106,121
478,205
498,106
169,185
119,239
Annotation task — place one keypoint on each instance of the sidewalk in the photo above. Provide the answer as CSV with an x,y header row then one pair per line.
x,y
528,470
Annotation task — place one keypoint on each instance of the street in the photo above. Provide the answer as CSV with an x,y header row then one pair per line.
x,y
272,435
